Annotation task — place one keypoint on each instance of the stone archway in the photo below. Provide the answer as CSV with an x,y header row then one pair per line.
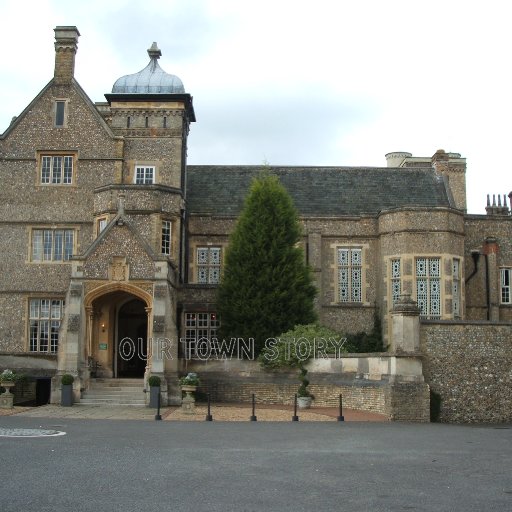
x,y
116,312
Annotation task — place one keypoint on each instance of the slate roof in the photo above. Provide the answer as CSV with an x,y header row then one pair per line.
x,y
317,191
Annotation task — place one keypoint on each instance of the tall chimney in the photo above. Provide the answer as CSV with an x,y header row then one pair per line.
x,y
66,39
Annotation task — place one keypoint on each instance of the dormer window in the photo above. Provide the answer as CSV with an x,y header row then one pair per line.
x,y
144,175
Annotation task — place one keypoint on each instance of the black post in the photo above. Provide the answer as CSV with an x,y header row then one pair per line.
x,y
295,417
158,417
208,415
341,417
253,417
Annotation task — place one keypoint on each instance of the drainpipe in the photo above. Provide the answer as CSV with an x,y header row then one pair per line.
x,y
475,254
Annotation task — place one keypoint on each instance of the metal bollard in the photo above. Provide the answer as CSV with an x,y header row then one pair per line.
x,y
158,417
341,417
253,417
295,417
208,415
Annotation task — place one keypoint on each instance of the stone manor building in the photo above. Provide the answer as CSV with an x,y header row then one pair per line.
x,y
108,234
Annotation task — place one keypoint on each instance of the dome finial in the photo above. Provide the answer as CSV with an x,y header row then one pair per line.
x,y
154,52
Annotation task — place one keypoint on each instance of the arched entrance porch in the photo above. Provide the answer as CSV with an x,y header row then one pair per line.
x,y
118,331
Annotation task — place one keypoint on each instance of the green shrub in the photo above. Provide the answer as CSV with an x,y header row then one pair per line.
x,y
67,379
363,342
154,381
297,346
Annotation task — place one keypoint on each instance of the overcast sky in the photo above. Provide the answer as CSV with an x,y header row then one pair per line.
x,y
328,82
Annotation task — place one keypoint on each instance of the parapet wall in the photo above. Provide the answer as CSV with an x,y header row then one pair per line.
x,y
470,365
367,383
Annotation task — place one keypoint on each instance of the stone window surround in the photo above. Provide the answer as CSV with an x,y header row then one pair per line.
x,y
364,269
146,167
130,174
53,153
98,222
52,227
408,279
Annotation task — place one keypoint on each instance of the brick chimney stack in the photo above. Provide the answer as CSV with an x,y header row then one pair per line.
x,y
66,39
452,167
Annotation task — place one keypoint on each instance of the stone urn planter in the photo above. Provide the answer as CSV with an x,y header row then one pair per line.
x,y
188,385
188,402
7,384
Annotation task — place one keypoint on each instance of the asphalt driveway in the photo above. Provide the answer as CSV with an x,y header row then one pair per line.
x,y
111,465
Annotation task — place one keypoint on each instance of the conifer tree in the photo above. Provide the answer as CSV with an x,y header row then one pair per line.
x,y
266,287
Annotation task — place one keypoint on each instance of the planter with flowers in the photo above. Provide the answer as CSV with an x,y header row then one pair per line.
x,y
188,385
7,381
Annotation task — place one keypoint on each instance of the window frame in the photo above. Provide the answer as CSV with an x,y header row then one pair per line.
x,y
52,175
166,237
395,280
47,326
506,286
431,280
57,103
198,326
143,179
352,268
60,250
212,269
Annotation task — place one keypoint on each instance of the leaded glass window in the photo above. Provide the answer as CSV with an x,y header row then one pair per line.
x,y
505,279
396,287
428,287
208,265
456,287
57,170
349,263
52,244
45,319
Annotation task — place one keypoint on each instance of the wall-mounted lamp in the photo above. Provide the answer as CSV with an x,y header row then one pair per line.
x,y
103,326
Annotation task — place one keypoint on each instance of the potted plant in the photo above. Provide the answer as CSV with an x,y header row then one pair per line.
x,y
154,382
66,399
304,397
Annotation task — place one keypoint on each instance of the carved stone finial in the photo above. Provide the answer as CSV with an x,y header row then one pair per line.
x,y
154,52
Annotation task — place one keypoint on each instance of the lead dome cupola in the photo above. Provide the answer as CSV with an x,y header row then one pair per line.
x,y
151,80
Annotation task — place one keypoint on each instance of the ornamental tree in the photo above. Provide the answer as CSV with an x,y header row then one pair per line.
x,y
266,286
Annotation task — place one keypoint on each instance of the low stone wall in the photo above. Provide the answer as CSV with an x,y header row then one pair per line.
x,y
367,383
470,365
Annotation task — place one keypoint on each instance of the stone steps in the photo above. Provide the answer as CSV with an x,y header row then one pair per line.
x,y
127,392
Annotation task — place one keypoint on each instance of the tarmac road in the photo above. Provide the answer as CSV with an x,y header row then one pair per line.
x,y
112,465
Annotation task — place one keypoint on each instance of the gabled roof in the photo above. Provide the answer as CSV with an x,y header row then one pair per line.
x,y
318,191
81,93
